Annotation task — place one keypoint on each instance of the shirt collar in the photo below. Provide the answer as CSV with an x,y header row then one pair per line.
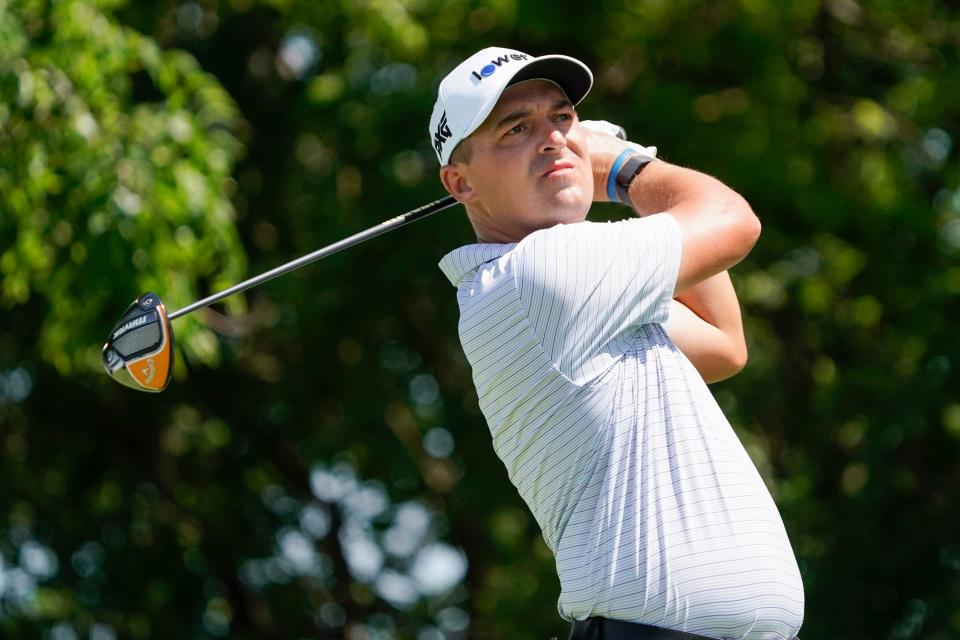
x,y
460,262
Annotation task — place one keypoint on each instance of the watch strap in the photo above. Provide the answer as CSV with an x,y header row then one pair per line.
x,y
615,171
625,176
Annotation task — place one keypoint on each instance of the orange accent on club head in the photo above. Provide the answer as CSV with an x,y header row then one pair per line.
x,y
153,371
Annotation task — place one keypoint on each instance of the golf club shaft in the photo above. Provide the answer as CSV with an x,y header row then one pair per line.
x,y
393,223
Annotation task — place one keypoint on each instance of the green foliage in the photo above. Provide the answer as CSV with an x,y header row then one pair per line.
x,y
115,175
339,424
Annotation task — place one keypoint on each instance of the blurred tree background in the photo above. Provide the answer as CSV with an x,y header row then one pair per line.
x,y
319,466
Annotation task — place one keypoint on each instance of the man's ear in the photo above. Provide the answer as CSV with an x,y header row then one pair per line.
x,y
456,182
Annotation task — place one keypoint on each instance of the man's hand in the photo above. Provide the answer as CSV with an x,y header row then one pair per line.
x,y
604,149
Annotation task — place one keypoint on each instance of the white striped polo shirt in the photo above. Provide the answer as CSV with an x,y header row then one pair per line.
x,y
650,504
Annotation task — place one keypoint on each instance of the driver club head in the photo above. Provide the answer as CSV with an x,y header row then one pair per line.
x,y
139,350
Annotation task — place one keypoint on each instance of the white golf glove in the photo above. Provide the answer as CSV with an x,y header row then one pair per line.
x,y
602,126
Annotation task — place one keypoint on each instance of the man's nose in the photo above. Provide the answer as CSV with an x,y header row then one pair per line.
x,y
555,139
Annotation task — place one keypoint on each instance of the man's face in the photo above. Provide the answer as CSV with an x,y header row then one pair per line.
x,y
528,167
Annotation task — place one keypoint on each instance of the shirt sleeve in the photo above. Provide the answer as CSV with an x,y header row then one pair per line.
x,y
584,286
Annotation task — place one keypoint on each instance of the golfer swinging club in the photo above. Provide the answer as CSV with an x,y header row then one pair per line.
x,y
590,345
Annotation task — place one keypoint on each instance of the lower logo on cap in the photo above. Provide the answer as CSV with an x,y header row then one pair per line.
x,y
488,70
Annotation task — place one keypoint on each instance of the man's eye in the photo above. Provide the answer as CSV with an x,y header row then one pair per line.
x,y
517,129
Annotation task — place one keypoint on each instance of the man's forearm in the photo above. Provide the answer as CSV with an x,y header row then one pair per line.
x,y
716,302
718,226
705,346
712,300
720,344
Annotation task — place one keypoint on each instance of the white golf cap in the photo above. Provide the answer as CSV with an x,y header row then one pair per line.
x,y
470,92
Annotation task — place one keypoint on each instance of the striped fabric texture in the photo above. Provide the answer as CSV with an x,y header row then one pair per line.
x,y
650,504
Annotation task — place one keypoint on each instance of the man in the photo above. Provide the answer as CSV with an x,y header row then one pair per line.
x,y
659,522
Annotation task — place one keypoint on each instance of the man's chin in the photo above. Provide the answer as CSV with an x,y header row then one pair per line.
x,y
570,204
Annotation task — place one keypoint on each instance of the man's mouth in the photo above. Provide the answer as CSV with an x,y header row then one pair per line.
x,y
558,168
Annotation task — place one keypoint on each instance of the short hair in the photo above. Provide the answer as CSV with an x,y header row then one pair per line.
x,y
462,152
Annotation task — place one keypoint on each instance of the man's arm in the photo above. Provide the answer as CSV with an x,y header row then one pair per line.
x,y
717,226
705,317
705,325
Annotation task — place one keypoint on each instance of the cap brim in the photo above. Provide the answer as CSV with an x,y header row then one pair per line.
x,y
572,76
569,74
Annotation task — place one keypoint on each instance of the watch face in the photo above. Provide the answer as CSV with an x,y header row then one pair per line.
x,y
631,168
625,176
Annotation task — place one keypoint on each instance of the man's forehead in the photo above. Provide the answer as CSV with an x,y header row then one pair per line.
x,y
527,91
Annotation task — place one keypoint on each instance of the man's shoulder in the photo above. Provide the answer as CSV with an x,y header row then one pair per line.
x,y
462,261
542,247
597,239
589,229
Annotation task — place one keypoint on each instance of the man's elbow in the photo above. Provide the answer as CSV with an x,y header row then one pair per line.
x,y
729,363
738,358
754,228
747,224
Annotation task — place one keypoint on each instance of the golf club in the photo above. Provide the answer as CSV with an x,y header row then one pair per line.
x,y
139,350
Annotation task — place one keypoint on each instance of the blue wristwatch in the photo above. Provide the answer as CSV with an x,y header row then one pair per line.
x,y
630,169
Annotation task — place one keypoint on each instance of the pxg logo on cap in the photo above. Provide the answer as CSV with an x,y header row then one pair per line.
x,y
469,93
442,134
